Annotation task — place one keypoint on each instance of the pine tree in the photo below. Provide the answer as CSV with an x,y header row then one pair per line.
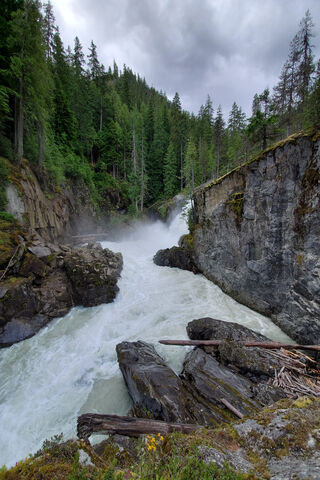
x,y
176,133
218,136
236,134
49,28
262,126
170,169
191,169
32,85
306,65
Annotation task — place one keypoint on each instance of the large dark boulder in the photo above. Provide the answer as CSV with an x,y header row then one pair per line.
x,y
155,389
212,329
45,281
194,396
209,381
93,272
175,257
256,363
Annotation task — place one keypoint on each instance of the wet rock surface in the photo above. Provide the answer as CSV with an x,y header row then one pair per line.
x,y
258,235
250,361
45,281
156,391
175,257
195,396
93,272
279,443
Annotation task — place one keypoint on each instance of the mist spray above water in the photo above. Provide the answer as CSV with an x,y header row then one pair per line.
x,y
70,367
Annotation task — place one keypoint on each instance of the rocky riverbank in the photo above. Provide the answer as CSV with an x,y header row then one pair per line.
x,y
41,281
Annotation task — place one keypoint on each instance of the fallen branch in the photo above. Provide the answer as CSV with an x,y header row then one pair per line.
x,y
93,235
10,263
132,427
231,408
269,345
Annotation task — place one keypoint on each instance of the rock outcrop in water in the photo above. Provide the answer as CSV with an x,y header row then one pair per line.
x,y
195,396
45,281
257,235
175,257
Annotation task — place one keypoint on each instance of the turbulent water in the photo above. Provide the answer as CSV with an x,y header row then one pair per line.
x,y
70,367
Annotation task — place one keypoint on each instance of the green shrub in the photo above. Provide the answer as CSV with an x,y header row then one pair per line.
x,y
3,183
7,217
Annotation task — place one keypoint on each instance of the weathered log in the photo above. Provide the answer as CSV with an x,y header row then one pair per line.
x,y
93,235
89,423
231,408
270,345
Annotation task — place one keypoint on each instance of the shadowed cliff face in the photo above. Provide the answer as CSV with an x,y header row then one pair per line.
x,y
258,235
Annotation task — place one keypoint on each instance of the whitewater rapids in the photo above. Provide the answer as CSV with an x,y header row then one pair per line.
x,y
70,367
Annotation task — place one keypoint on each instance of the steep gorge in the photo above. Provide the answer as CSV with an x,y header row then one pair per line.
x,y
257,234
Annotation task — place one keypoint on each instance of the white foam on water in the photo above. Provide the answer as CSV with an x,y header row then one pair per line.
x,y
70,367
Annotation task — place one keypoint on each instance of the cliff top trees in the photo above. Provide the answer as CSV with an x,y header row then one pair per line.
x,y
294,86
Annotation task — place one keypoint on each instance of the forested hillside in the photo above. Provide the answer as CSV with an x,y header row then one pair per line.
x,y
103,127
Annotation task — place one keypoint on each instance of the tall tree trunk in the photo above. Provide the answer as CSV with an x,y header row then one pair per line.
x,y
181,167
40,143
134,150
100,127
124,165
19,127
142,175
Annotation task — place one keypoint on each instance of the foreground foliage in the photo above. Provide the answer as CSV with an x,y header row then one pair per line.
x,y
169,459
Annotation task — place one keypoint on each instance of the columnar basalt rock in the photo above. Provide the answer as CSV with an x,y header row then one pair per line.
x,y
258,235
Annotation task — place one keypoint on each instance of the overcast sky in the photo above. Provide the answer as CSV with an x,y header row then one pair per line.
x,y
229,49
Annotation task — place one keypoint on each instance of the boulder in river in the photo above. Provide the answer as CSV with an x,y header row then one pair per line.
x,y
156,391
256,363
175,257
45,282
93,273
197,395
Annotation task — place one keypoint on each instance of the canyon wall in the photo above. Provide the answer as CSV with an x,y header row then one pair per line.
x,y
257,235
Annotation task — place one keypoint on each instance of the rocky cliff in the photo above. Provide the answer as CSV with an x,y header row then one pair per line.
x,y
56,213
257,234
39,278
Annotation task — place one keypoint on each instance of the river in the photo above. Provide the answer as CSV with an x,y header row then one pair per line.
x,y
70,366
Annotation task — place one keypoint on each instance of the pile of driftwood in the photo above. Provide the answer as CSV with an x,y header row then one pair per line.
x,y
299,374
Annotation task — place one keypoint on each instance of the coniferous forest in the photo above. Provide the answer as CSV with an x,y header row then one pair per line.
x,y
103,127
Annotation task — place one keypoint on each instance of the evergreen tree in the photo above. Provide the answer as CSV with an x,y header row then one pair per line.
x,y
176,134
306,65
170,169
218,138
262,126
235,135
49,28
191,168
32,85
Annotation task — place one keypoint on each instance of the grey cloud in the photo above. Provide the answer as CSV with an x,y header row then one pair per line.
x,y
228,48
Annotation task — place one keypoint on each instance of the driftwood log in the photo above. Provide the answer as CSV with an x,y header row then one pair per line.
x,y
132,427
90,235
269,345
